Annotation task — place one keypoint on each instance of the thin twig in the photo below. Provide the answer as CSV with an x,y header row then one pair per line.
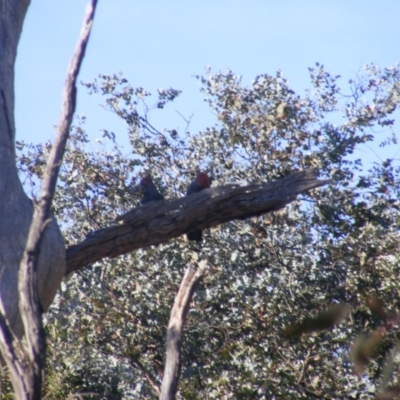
x,y
147,375
177,320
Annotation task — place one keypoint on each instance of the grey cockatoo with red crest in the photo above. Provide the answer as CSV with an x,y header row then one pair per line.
x,y
149,190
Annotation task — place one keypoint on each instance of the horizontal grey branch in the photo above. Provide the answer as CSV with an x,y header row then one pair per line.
x,y
157,222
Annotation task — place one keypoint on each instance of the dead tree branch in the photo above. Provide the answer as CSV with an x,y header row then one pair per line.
x,y
177,320
27,363
157,222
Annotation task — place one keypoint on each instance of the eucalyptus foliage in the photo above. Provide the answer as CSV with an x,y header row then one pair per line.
x,y
337,245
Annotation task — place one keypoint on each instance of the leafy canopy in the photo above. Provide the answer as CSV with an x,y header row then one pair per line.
x,y
248,331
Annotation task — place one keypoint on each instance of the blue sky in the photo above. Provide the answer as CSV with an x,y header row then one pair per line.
x,y
164,43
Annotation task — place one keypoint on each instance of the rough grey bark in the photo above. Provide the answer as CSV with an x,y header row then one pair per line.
x,y
16,208
156,222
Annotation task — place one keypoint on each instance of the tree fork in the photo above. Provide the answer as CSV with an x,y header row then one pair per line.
x,y
26,361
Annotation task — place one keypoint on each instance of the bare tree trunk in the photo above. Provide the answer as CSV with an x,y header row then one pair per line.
x,y
177,320
16,209
42,249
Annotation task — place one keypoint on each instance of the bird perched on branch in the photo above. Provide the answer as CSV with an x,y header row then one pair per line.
x,y
201,182
149,190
